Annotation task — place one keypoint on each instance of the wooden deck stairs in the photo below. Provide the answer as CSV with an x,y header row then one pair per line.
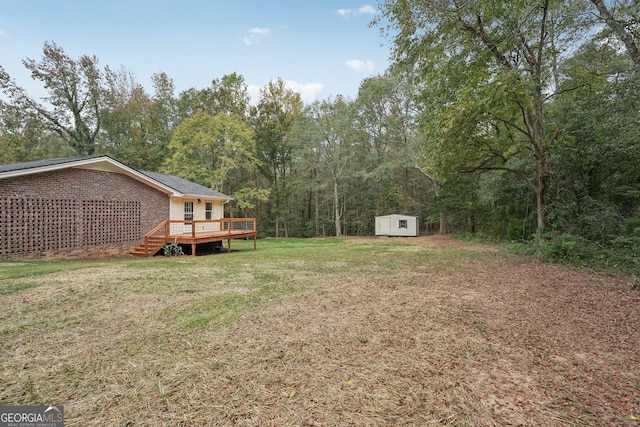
x,y
201,231
150,247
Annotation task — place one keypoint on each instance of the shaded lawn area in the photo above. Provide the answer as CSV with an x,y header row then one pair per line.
x,y
322,332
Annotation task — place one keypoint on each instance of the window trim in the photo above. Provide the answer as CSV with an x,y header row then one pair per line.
x,y
208,210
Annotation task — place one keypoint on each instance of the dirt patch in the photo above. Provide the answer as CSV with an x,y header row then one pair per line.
x,y
505,344
496,341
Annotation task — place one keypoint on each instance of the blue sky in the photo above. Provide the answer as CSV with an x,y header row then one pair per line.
x,y
320,48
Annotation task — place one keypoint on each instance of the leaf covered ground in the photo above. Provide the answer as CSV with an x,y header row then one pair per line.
x,y
361,332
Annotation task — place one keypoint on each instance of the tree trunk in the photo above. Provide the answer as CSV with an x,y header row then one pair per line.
x,y
436,191
443,222
619,29
536,126
318,215
277,200
541,204
336,201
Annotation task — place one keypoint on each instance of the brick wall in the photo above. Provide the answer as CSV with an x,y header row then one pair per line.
x,y
76,211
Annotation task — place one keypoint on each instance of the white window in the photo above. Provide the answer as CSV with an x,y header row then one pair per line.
x,y
403,224
188,216
188,211
208,210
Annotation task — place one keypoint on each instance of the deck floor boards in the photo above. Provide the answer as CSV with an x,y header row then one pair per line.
x,y
226,232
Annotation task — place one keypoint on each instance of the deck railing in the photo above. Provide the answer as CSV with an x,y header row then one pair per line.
x,y
213,225
171,229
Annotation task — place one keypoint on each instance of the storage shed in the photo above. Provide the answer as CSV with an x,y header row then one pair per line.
x,y
397,225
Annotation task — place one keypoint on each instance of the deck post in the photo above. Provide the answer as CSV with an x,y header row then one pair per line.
x,y
247,228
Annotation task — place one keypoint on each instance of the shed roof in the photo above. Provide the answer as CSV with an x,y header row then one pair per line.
x,y
396,216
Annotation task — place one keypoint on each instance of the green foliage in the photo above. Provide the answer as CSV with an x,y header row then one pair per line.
x,y
247,198
208,149
595,194
277,110
137,126
227,95
329,146
621,255
486,71
172,249
75,106
464,95
564,248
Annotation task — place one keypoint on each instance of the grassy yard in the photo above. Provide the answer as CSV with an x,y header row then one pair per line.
x,y
322,332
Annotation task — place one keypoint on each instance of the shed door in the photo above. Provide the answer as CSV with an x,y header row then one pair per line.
x,y
188,216
385,226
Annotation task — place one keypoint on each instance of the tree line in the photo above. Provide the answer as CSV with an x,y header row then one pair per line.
x,y
518,120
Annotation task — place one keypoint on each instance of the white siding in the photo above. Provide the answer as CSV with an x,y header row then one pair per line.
x,y
218,209
176,212
397,225
199,213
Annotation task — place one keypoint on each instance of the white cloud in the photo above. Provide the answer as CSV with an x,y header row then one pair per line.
x,y
254,93
308,91
366,10
255,35
361,66
363,10
260,32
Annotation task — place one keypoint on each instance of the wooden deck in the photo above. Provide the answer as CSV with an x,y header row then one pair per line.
x,y
197,232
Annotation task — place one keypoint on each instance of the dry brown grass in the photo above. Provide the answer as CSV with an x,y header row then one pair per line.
x,y
468,337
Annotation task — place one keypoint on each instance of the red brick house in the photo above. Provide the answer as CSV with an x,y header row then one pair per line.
x,y
96,205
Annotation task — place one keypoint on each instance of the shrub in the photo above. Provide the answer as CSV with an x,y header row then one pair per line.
x,y
563,248
172,249
622,255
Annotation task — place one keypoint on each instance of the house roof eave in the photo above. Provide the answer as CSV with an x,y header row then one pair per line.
x,y
104,163
187,188
199,196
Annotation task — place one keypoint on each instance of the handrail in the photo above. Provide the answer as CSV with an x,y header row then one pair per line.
x,y
225,224
156,228
154,231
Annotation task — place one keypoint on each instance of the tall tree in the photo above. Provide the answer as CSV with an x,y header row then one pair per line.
x,y
162,119
207,149
24,137
136,125
275,112
489,66
13,143
380,116
597,192
328,142
74,107
228,94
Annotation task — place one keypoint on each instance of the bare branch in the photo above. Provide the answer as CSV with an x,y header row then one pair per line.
x,y
620,31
